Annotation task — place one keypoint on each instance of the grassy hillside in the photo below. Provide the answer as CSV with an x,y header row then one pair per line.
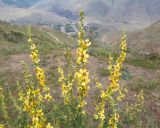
x,y
143,45
146,39
13,39
139,73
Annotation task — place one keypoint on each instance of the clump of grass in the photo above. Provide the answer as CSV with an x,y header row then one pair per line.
x,y
103,71
144,62
142,83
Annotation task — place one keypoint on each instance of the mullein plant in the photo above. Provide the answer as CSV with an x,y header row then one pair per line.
x,y
78,76
82,75
113,94
36,94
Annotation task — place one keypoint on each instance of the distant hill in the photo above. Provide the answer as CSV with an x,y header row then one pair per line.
x,y
130,13
110,14
20,3
141,42
146,41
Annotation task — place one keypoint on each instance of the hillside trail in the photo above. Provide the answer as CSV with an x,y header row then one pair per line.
x,y
50,34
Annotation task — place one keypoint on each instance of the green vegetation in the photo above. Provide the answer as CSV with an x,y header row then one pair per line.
x,y
134,111
148,63
13,40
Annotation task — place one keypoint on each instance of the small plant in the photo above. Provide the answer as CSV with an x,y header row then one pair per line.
x,y
103,71
132,112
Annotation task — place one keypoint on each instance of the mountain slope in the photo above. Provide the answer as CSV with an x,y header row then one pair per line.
x,y
133,14
13,39
146,41
140,42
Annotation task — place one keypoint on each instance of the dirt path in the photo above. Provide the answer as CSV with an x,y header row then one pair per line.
x,y
50,34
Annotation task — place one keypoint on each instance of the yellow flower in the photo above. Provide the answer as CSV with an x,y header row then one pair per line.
x,y
47,97
33,46
29,40
83,80
40,76
95,116
61,72
1,126
103,95
101,115
49,126
82,104
114,120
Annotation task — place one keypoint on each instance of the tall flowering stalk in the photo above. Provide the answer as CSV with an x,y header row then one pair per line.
x,y
82,75
76,80
35,95
115,74
110,93
39,71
